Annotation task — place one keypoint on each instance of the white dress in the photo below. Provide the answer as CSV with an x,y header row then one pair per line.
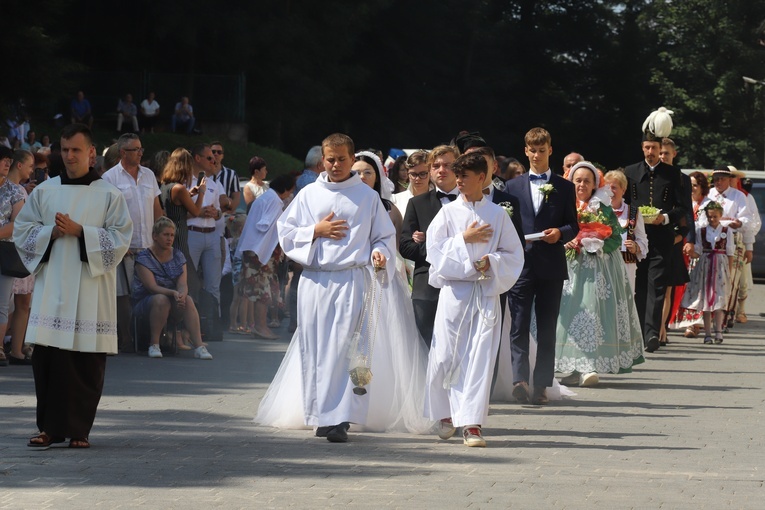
x,y
312,386
468,319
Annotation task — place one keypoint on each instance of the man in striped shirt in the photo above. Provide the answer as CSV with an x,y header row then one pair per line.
x,y
226,177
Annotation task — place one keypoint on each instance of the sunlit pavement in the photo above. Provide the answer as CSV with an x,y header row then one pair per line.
x,y
685,430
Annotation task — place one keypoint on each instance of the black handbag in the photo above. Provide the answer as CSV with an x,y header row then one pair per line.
x,y
10,262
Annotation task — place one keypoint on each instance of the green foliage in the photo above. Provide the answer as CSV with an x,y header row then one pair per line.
x,y
704,48
237,155
395,73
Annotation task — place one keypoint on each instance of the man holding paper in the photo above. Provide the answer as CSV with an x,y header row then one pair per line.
x,y
547,207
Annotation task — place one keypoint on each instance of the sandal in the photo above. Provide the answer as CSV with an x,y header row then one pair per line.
x,y
264,336
44,440
79,443
718,337
3,359
274,323
707,339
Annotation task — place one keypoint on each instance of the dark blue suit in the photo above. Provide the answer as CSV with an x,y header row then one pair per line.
x,y
544,271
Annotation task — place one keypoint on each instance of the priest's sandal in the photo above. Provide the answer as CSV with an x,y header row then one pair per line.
x,y
43,440
81,442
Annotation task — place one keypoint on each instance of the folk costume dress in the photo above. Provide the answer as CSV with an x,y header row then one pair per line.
x,y
73,320
633,228
598,326
312,387
685,317
710,284
467,328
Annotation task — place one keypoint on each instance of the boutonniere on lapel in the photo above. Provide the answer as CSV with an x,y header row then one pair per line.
x,y
508,207
547,189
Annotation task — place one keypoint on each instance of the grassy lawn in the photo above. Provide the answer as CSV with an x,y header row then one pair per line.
x,y
237,155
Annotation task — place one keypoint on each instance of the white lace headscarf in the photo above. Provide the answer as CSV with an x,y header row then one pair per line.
x,y
602,195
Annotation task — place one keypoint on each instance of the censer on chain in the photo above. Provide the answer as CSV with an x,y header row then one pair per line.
x,y
360,352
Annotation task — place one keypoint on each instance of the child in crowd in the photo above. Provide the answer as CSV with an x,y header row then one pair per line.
x,y
475,255
710,279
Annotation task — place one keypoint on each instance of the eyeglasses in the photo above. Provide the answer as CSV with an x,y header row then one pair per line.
x,y
137,149
217,152
421,175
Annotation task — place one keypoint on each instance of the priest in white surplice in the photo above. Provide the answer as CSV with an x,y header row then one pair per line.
x,y
72,232
468,320
335,228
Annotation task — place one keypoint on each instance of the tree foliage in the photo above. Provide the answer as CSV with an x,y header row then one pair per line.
x,y
394,73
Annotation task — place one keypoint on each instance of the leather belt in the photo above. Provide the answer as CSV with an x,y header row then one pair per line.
x,y
203,230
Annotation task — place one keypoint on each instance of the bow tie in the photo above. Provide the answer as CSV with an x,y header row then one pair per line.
x,y
534,177
441,194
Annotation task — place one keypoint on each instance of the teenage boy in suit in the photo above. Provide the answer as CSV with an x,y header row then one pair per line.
x,y
547,207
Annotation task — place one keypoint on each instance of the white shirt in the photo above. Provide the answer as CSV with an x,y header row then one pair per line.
x,y
537,197
753,227
149,109
212,197
641,239
140,195
734,205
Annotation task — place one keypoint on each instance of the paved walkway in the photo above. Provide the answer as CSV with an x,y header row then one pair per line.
x,y
685,430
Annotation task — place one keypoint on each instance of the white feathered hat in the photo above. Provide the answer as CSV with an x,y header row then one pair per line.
x,y
658,125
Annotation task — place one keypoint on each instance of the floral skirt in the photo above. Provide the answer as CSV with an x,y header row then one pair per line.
x,y
24,285
260,282
598,326
710,285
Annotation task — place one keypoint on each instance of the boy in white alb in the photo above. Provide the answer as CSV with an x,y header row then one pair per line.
x,y
466,335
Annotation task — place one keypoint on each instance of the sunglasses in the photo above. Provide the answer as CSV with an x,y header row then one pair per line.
x,y
138,149
217,152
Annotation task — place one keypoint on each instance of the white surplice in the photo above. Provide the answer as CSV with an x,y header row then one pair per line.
x,y
74,304
332,289
259,234
468,321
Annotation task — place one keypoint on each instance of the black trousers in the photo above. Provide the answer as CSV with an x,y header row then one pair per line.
x,y
425,318
544,297
68,385
650,289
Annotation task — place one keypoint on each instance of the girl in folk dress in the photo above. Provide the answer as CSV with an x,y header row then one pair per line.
x,y
691,320
710,279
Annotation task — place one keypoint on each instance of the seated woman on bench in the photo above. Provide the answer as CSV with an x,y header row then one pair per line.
x,y
160,289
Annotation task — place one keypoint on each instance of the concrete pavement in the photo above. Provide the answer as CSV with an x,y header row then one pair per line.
x,y
683,431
